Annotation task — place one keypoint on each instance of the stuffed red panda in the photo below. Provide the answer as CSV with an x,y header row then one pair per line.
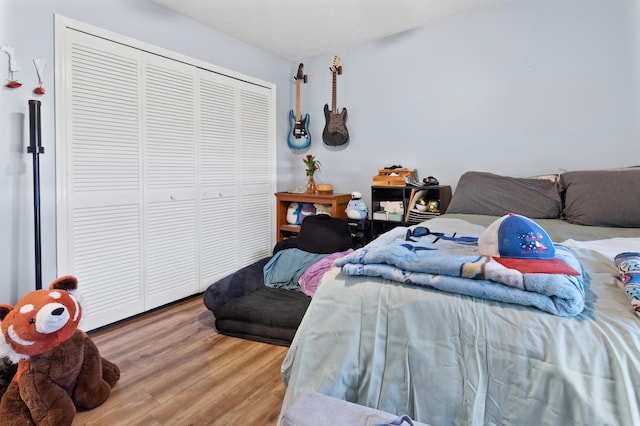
x,y
59,366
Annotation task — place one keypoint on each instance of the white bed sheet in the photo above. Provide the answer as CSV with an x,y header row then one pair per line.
x,y
608,247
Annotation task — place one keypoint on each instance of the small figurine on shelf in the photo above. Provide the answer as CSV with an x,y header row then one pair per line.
x,y
356,209
293,213
421,205
308,209
433,206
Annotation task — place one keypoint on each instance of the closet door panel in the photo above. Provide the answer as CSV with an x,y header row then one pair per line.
x,y
170,175
99,165
256,171
220,239
256,228
255,138
219,134
219,176
171,251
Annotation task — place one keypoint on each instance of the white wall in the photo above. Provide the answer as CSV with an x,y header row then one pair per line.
x,y
28,25
520,88
523,87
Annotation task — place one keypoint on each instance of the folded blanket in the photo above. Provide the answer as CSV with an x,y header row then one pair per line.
x,y
285,268
455,265
310,279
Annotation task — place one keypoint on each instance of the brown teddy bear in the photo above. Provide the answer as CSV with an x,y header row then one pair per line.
x,y
59,367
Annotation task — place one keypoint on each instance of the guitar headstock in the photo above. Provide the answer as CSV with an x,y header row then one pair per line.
x,y
336,67
300,75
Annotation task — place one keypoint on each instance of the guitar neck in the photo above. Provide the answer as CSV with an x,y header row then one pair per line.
x,y
297,100
334,105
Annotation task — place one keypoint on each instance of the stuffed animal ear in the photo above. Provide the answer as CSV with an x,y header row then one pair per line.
x,y
4,310
66,282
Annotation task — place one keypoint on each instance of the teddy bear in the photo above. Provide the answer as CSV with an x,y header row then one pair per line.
x,y
59,367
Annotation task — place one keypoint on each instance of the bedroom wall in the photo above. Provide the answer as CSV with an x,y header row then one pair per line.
x,y
28,25
521,88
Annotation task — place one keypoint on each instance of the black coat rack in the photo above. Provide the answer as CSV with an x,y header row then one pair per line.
x,y
35,148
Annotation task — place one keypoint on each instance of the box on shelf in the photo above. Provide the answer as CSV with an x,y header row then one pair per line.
x,y
394,177
381,215
396,217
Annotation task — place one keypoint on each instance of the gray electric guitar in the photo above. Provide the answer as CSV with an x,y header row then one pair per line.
x,y
335,131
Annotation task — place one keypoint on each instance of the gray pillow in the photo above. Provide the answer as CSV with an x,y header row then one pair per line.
x,y
602,197
494,195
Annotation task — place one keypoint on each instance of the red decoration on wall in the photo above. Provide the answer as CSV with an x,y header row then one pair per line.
x,y
12,83
39,63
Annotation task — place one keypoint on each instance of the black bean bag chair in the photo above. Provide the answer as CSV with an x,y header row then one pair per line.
x,y
244,307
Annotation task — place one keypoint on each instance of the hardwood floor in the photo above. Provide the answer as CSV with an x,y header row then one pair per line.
x,y
177,370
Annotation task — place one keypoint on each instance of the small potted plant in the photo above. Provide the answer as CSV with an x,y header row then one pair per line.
x,y
312,165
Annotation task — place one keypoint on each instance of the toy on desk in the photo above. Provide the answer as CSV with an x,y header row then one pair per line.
x,y
356,209
308,209
322,208
433,206
293,213
421,205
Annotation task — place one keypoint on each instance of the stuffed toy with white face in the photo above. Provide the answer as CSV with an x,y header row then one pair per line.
x,y
357,208
293,213
59,367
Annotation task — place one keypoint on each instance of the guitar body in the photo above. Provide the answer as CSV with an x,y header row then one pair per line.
x,y
335,131
299,136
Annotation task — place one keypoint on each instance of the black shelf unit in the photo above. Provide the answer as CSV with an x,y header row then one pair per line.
x,y
404,194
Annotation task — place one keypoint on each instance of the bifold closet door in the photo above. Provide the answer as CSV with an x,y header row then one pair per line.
x,y
165,175
99,176
219,164
256,211
235,164
170,173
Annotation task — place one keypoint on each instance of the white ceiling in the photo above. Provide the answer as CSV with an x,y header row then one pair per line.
x,y
298,29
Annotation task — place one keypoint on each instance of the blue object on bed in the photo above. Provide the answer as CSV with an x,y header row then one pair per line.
x,y
440,263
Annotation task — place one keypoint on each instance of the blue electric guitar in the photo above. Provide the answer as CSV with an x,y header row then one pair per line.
x,y
299,136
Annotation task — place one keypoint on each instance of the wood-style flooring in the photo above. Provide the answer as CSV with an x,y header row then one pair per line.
x,y
177,370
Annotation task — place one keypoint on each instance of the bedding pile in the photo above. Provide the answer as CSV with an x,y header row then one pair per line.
x,y
295,269
451,359
456,264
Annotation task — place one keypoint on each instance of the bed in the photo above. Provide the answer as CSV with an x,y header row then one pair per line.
x,y
445,358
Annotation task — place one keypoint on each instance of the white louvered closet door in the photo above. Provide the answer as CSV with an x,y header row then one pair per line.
x,y
219,176
170,172
236,166
99,225
165,174
256,171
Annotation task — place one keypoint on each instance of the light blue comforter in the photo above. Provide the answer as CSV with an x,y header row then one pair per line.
x,y
450,359
454,264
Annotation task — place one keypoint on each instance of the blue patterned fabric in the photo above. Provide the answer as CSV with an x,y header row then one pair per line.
x,y
453,264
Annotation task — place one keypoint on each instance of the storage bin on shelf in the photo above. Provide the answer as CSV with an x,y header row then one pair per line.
x,y
394,177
